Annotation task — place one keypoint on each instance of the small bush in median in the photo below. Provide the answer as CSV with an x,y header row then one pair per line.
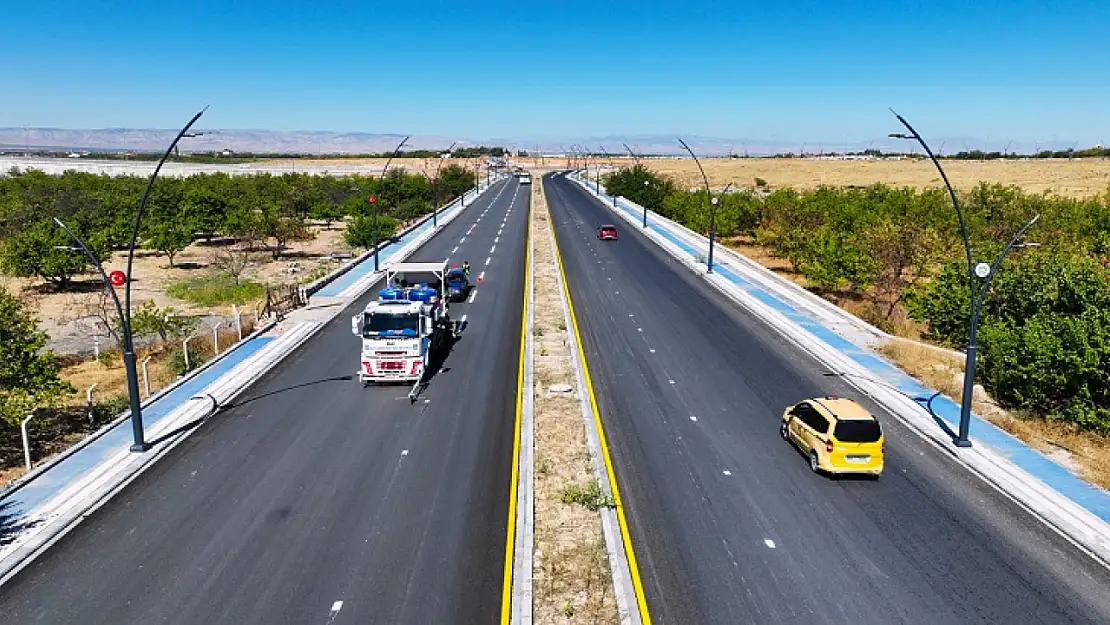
x,y
589,496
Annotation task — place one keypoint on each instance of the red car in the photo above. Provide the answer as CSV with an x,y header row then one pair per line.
x,y
607,232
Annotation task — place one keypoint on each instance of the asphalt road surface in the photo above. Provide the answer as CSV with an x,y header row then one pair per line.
x,y
727,521
313,491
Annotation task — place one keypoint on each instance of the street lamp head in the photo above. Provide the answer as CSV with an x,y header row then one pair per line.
x,y
899,135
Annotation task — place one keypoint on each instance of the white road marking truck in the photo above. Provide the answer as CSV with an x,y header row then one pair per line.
x,y
406,324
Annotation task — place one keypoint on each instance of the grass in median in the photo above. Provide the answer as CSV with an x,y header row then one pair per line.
x,y
216,289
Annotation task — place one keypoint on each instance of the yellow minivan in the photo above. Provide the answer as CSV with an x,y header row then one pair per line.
x,y
838,435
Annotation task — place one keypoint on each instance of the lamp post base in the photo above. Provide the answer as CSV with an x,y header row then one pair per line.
x,y
962,442
141,447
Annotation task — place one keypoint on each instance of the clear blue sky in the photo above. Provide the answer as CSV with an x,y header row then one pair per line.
x,y
781,70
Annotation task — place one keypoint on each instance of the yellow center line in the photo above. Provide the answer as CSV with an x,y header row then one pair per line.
x,y
514,484
634,568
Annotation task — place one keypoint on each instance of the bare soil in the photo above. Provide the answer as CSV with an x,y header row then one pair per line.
x,y
66,315
572,579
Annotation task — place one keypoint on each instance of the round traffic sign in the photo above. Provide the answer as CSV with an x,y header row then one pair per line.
x,y
372,199
117,278
982,270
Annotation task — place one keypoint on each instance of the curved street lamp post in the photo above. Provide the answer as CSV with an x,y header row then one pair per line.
x,y
139,444
611,166
713,201
979,276
647,183
374,204
435,185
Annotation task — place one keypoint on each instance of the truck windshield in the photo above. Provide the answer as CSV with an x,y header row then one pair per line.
x,y
389,323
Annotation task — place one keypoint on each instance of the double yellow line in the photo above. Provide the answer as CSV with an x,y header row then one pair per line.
x,y
634,569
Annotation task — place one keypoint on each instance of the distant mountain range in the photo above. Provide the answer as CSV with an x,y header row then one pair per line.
x,y
325,142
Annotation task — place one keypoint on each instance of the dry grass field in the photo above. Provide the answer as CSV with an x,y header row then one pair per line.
x,y
1075,178
372,166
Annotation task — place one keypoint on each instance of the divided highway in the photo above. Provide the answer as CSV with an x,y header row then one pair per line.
x,y
727,521
314,499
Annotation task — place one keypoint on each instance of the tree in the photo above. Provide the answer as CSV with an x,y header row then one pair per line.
x,y
205,208
28,374
640,185
232,260
906,241
169,234
326,212
360,232
43,251
453,181
149,320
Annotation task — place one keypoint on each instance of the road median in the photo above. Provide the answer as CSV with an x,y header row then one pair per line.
x,y
579,556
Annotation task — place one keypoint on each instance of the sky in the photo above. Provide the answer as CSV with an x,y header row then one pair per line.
x,y
775,70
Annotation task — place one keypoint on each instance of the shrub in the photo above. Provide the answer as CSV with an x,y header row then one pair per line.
x,y
111,407
589,496
360,232
176,361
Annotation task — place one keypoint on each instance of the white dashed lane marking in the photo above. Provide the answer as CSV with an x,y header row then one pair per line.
x,y
334,612
488,259
473,294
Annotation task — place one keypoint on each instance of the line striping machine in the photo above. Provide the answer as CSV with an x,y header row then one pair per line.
x,y
409,321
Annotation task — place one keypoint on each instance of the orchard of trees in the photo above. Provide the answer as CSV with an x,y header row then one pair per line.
x,y
1045,330
262,211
